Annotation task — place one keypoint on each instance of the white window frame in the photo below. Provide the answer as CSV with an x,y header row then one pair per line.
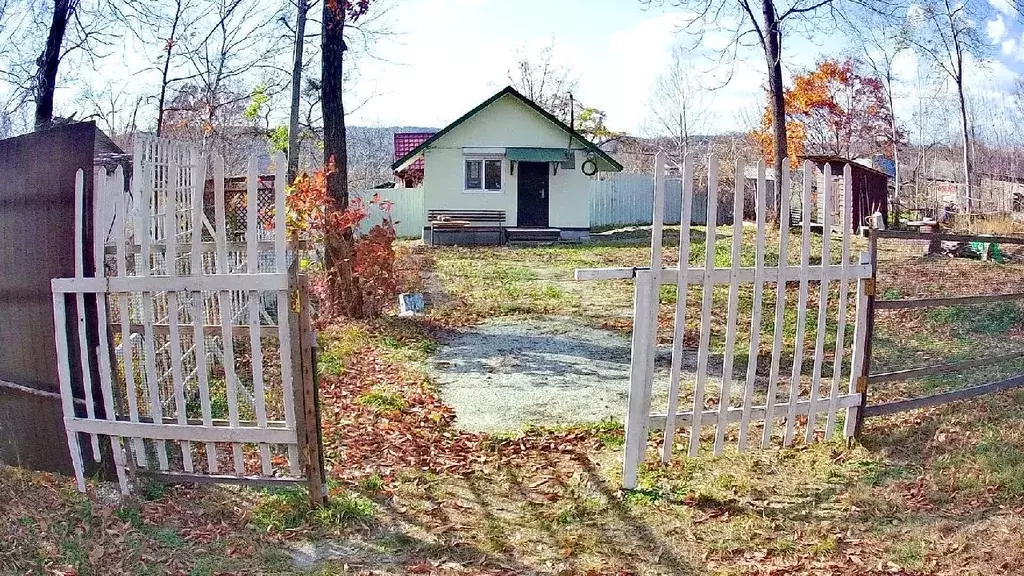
x,y
483,174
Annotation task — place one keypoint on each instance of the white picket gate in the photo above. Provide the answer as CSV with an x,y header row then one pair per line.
x,y
207,363
778,400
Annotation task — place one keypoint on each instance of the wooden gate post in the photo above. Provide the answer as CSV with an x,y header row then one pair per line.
x,y
308,403
639,401
645,337
869,322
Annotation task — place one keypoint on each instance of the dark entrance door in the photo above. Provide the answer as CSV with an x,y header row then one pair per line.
x,y
533,194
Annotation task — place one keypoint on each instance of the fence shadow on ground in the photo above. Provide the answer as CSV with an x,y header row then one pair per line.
x,y
506,522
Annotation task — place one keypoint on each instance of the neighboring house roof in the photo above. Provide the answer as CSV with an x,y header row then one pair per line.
x,y
406,142
510,91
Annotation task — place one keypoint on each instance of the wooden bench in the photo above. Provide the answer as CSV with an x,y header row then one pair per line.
x,y
465,219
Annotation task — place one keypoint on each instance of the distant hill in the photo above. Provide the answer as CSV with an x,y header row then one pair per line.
x,y
378,135
371,150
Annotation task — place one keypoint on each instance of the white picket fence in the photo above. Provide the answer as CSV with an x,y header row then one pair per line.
x,y
196,323
762,399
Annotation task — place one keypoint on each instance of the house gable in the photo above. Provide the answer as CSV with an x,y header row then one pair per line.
x,y
509,119
505,123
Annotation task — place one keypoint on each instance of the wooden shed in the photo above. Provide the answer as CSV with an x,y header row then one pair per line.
x,y
37,244
870,189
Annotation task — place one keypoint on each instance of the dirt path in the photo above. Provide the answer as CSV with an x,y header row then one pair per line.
x,y
548,370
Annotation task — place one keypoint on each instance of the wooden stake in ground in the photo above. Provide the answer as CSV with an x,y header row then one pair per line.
x,y
309,434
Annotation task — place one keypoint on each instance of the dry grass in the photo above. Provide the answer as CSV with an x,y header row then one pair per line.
x,y
49,528
997,223
937,491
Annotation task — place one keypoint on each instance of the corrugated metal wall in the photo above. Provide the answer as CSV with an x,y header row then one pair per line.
x,y
407,210
629,198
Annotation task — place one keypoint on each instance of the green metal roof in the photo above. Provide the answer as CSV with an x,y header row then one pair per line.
x,y
588,145
537,154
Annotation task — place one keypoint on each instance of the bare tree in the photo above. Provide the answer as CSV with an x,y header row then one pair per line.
x,y
72,28
6,125
168,22
947,33
230,58
45,82
762,24
544,80
301,11
369,156
678,110
881,42
550,85
340,244
116,109
7,25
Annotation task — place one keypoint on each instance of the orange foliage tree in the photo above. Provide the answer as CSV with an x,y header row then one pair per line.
x,y
833,109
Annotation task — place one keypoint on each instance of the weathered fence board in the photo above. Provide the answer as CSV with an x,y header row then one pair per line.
x,y
225,320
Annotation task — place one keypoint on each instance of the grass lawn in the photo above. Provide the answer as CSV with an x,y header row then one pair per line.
x,y
939,491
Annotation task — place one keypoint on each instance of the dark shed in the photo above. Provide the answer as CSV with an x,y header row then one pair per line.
x,y
870,189
37,243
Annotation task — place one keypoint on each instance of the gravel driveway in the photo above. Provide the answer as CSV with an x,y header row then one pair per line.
x,y
509,372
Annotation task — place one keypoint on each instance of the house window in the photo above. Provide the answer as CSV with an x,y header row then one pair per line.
x,y
1018,202
483,174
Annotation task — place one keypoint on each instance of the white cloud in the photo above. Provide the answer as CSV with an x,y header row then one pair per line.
x,y
1004,6
996,29
1013,48
618,79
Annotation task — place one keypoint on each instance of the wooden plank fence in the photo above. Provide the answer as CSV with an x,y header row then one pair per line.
x,y
204,366
875,305
814,396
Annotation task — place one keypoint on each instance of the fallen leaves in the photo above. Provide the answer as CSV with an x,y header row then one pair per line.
x,y
360,441
50,528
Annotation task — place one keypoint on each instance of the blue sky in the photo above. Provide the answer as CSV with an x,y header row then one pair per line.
x,y
448,55
1006,33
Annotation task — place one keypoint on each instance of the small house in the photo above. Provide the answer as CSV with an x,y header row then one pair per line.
x,y
506,170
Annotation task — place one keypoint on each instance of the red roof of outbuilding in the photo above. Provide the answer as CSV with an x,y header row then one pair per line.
x,y
406,142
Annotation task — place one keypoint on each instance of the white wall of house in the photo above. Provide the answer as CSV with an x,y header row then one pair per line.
x,y
507,122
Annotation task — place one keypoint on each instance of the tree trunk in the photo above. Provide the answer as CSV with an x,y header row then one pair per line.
x,y
773,55
895,153
49,60
339,252
293,119
968,169
166,70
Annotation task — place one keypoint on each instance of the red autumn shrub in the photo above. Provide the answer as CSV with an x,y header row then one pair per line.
x,y
314,216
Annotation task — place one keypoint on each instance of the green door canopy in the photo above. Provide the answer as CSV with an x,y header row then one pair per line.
x,y
537,154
